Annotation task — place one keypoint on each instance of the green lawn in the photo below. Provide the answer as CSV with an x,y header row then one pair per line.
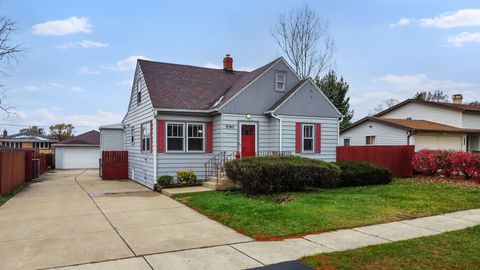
x,y
276,216
453,250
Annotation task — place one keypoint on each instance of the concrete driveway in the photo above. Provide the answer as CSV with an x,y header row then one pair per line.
x,y
72,217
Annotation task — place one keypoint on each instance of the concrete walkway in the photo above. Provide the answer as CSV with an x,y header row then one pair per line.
x,y
72,217
72,220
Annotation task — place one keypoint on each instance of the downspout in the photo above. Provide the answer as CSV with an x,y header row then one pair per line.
x,y
338,129
154,150
410,134
279,129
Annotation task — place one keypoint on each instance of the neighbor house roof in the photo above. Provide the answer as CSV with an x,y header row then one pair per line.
x,y
91,138
458,107
27,137
412,124
183,87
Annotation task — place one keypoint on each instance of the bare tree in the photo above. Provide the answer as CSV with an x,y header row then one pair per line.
x,y
386,104
304,38
8,53
437,96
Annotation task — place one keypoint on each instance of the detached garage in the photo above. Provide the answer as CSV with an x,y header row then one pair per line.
x,y
79,152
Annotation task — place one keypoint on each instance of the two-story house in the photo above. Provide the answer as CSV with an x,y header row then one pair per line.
x,y
425,124
181,117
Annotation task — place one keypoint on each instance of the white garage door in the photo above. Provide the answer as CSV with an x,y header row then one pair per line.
x,y
77,157
446,142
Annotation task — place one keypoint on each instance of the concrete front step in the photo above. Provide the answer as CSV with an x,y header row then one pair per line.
x,y
224,183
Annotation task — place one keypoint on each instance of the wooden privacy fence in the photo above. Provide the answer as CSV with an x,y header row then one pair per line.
x,y
12,170
114,165
398,159
37,163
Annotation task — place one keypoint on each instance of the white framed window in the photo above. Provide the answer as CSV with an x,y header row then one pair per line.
x,y
195,137
370,140
280,81
346,142
145,144
307,138
139,91
175,137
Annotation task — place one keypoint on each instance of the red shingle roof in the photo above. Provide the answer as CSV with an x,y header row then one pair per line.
x,y
90,138
173,86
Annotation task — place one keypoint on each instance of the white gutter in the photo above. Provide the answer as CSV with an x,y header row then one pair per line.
x,y
280,129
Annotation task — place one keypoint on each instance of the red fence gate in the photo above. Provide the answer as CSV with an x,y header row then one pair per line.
x,y
398,159
114,165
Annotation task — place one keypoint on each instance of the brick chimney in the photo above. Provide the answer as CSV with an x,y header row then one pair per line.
x,y
5,133
228,63
457,99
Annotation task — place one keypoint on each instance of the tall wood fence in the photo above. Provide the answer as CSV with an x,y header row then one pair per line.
x,y
20,166
12,170
114,165
398,159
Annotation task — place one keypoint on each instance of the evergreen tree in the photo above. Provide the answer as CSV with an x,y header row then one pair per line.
x,y
336,90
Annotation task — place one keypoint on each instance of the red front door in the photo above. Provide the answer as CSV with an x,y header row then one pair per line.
x,y
248,140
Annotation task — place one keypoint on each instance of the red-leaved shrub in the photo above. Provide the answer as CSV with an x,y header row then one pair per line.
x,y
447,163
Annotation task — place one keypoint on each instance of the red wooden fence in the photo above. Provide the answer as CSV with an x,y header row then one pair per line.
x,y
12,170
398,159
114,165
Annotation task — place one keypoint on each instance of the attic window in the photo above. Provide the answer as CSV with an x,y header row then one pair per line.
x,y
280,80
139,91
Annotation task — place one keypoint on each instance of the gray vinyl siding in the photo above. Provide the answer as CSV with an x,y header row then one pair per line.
x,y
170,163
471,120
265,135
111,140
261,95
308,101
384,134
329,136
140,164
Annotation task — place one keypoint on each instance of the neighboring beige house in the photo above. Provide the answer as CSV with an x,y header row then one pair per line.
x,y
28,140
425,124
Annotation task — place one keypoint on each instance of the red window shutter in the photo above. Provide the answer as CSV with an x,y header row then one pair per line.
x,y
209,137
318,138
151,136
298,137
160,136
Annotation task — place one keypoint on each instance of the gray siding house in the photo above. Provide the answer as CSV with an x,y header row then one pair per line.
x,y
181,117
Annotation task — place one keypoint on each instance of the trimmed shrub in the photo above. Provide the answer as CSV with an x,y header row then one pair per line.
x,y
362,173
447,164
186,177
279,174
165,180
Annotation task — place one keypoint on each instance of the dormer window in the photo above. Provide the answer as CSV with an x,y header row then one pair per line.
x,y
280,80
139,92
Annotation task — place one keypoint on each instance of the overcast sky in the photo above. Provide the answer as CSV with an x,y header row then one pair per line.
x,y
80,55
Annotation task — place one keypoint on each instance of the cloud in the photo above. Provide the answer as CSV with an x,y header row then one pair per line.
x,y
363,98
55,85
84,70
464,37
31,88
459,18
52,115
419,82
401,22
125,82
62,27
86,44
128,63
77,89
